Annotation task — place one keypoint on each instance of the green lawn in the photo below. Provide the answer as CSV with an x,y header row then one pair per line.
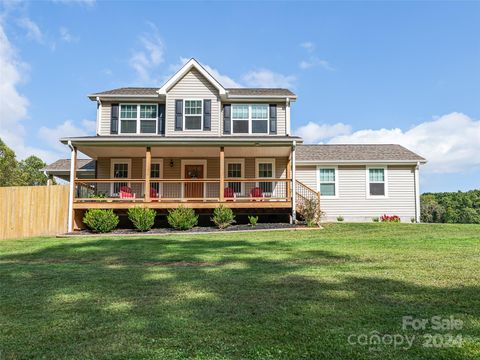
x,y
266,295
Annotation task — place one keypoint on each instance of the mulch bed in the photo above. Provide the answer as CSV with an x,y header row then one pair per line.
x,y
195,230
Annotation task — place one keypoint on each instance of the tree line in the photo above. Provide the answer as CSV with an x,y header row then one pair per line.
x,y
20,173
451,207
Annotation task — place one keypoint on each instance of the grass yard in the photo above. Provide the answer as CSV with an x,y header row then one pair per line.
x,y
269,295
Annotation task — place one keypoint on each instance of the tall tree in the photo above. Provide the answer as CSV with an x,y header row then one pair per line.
x,y
29,171
8,166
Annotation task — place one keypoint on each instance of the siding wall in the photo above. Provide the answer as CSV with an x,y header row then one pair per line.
x,y
105,112
352,202
192,86
213,172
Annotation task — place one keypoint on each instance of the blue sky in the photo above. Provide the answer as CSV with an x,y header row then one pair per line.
x,y
406,72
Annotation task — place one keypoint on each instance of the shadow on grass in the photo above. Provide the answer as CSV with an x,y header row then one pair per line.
x,y
173,298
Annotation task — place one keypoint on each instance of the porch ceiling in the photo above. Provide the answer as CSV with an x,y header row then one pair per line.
x,y
96,152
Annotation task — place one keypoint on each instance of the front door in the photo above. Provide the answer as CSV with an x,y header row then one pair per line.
x,y
193,189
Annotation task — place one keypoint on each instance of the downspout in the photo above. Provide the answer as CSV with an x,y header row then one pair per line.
x,y
417,193
72,187
294,181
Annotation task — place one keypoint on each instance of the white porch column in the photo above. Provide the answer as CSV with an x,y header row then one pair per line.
x,y
73,171
294,192
417,193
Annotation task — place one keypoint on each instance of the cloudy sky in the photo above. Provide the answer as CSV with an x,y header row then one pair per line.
x,y
364,72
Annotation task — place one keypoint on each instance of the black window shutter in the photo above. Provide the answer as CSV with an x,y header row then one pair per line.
x,y
161,119
226,118
207,115
114,119
273,118
178,115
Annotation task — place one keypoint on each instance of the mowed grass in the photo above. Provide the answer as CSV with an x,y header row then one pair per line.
x,y
265,295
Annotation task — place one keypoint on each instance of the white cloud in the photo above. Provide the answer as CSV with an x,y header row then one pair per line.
x,y
32,29
450,143
146,59
268,79
315,133
225,80
308,45
67,128
66,36
314,62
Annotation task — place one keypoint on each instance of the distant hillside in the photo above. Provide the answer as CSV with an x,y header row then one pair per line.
x,y
451,207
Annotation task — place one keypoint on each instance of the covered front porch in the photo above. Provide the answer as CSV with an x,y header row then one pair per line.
x,y
249,175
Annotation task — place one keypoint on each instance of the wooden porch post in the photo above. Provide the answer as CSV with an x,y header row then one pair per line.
x,y
289,175
222,174
148,166
73,178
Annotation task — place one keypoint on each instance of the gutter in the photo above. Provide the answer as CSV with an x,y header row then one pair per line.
x,y
347,162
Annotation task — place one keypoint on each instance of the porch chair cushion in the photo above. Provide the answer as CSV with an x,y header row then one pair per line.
x,y
153,194
257,192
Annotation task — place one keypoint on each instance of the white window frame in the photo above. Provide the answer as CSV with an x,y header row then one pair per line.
x,y
242,170
367,182
185,115
250,119
112,171
138,119
154,161
259,161
184,162
335,167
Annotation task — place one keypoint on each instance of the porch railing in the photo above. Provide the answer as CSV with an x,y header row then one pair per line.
x,y
178,190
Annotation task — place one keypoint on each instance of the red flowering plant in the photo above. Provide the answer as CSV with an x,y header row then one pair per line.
x,y
392,218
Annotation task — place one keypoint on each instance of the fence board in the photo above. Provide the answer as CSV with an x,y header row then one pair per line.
x,y
33,211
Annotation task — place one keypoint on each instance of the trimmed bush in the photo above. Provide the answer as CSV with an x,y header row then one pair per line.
x,y
142,218
375,219
253,220
340,218
223,217
182,218
99,220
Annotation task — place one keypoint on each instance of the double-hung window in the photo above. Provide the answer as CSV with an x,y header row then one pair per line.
x,y
193,115
265,169
328,182
120,169
377,182
138,118
235,170
250,119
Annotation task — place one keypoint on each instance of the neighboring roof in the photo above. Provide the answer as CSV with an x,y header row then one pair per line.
x,y
356,153
63,165
260,92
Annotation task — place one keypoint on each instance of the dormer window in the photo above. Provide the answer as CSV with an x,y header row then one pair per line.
x,y
250,119
138,118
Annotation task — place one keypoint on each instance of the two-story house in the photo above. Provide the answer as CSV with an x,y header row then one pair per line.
x,y
195,143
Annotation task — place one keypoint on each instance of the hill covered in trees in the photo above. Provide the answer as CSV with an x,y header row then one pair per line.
x,y
451,207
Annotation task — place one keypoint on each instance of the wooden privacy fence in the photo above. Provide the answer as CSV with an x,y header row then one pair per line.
x,y
33,211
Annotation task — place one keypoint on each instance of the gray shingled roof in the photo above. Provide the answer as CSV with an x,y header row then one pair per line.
x,y
260,92
64,165
233,91
355,152
129,91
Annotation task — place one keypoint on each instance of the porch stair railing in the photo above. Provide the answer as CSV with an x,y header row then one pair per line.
x,y
303,193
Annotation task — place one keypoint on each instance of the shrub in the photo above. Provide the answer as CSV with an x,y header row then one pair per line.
x,y
311,212
142,218
412,220
393,218
253,220
182,218
101,221
376,219
223,217
340,218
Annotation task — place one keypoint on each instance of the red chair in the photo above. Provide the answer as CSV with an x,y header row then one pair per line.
x,y
257,192
126,193
229,194
153,194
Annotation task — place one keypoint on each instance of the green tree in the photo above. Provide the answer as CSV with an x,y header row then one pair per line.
x,y
8,166
29,172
